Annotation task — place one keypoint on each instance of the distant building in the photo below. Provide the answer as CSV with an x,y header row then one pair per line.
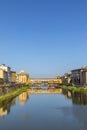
x,y
59,80
79,76
23,77
66,79
7,70
13,76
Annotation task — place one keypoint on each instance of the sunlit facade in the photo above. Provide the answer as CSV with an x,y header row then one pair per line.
x,y
23,77
3,76
7,70
13,76
46,80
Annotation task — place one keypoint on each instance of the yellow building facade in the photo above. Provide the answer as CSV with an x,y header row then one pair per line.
x,y
3,76
13,76
23,77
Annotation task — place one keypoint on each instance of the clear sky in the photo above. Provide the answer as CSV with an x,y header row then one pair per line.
x,y
45,38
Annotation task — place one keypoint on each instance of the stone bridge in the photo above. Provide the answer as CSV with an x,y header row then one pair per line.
x,y
45,80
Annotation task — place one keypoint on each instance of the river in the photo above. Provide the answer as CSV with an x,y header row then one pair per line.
x,y
45,109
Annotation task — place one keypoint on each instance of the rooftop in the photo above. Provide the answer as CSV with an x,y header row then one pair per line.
x,y
79,69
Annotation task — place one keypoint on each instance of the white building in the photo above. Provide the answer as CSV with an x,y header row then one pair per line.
x,y
7,70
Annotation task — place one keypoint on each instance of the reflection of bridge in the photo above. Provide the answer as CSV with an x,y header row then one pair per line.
x,y
45,80
48,91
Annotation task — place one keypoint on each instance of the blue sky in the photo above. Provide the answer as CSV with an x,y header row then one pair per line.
x,y
46,38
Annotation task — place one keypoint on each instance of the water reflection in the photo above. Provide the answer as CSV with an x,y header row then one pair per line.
x,y
5,107
45,91
23,97
75,97
45,109
79,98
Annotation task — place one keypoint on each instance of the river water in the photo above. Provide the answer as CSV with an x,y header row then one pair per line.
x,y
45,109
